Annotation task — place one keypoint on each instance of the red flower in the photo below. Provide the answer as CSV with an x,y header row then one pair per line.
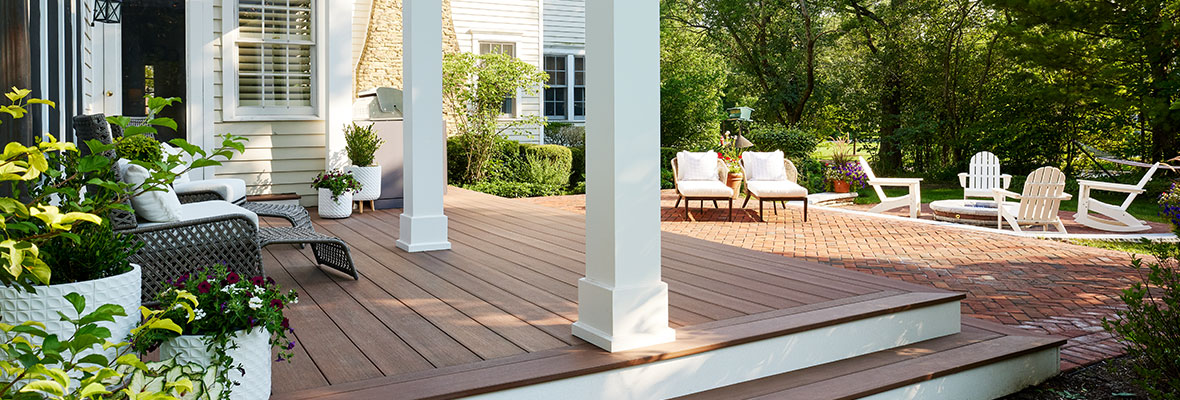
x,y
277,304
286,323
233,278
204,287
258,281
720,155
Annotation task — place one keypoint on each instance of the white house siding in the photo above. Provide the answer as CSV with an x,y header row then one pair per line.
x,y
281,156
565,27
505,21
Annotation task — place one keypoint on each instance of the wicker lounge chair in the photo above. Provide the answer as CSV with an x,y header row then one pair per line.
x,y
770,187
703,189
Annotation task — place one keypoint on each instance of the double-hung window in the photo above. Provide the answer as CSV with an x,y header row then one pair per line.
x,y
508,49
274,51
565,96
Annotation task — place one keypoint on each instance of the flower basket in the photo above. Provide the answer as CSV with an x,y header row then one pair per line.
x,y
340,207
250,348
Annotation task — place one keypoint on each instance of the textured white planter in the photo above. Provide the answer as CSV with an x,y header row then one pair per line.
x,y
370,179
341,208
123,290
252,352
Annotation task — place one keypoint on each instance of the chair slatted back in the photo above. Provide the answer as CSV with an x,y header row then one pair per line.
x,y
984,171
1142,183
1042,195
864,166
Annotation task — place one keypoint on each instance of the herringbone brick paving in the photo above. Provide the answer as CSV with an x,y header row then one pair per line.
x,y
1040,285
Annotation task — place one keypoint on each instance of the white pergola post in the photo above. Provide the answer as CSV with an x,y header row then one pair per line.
x,y
423,225
622,301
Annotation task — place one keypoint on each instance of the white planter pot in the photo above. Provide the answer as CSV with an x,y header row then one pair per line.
x,y
252,352
341,208
123,290
370,179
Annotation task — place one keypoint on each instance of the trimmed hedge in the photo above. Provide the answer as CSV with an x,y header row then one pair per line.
x,y
578,165
517,189
794,142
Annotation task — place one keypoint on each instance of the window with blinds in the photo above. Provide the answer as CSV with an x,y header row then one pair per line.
x,y
275,57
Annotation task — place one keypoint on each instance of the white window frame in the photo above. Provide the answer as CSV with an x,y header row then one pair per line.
x,y
570,86
231,111
476,48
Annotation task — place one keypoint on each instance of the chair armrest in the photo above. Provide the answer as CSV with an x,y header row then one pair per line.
x,y
1109,186
176,248
198,196
895,181
963,179
1001,194
1005,180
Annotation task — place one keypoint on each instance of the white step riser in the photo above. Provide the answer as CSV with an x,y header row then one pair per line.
x,y
736,364
984,382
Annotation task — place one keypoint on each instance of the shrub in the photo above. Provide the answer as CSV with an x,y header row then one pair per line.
x,y
666,156
502,164
545,164
667,179
1169,203
565,134
1148,327
97,252
794,142
139,148
578,188
811,174
516,189
578,164
361,144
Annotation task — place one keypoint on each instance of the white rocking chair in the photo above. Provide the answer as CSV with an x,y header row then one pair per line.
x,y
913,199
1041,199
984,174
1123,221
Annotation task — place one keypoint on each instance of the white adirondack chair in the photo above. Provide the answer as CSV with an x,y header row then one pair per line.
x,y
1041,199
913,199
984,174
1123,221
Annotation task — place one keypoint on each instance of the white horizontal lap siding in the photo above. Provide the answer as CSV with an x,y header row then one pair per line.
x,y
512,21
280,156
565,25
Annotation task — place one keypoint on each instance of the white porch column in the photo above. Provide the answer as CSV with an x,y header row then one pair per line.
x,y
338,78
622,303
423,225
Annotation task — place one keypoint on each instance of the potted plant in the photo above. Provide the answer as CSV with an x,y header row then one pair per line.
x,y
232,329
844,170
336,188
361,144
731,153
1169,203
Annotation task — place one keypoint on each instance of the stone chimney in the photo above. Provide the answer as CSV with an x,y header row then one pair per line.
x,y
380,63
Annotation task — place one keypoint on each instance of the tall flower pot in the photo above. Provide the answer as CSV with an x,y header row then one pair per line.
x,y
841,186
370,179
339,208
734,181
43,306
249,348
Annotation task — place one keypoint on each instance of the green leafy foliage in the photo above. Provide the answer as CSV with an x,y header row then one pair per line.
x,y
518,189
793,141
577,164
474,89
361,144
565,134
338,182
1150,326
548,164
96,252
693,79
139,148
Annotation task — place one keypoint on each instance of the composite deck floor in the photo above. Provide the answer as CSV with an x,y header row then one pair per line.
x,y
507,288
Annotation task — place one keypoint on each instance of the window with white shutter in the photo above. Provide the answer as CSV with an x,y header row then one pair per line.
x,y
274,52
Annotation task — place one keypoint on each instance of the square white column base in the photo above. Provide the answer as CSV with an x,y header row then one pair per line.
x,y
619,319
423,233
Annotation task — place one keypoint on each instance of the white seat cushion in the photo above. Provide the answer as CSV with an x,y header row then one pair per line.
x,y
153,206
692,166
704,189
775,189
230,189
764,166
207,209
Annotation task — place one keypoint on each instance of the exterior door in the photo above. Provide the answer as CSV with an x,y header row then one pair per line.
x,y
153,60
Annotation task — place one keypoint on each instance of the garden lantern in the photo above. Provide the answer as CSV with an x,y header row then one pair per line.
x,y
740,113
107,11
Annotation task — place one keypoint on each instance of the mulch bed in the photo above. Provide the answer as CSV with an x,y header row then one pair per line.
x,y
1109,379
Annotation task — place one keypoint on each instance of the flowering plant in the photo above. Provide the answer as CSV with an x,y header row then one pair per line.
x,y
849,172
730,153
227,303
1170,205
337,182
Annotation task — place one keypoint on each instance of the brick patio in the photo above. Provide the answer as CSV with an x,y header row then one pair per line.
x,y
1041,285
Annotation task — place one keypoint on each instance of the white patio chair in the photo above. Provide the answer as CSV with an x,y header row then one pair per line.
x,y
1123,221
703,178
771,177
1039,201
913,199
983,175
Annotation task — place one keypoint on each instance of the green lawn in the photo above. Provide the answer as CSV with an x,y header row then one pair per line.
x,y
1147,248
1144,207
825,149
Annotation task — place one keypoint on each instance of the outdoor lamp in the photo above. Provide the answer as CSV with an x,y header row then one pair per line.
x,y
107,11
740,113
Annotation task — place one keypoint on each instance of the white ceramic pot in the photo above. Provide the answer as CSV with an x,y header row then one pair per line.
x,y
370,179
123,290
250,349
341,208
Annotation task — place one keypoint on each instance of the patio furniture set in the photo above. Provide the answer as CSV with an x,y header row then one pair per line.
x,y
701,176
215,225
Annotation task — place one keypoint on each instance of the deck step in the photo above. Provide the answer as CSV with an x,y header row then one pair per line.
x,y
983,361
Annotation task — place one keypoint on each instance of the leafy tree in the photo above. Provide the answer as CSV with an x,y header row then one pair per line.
x,y
692,82
474,87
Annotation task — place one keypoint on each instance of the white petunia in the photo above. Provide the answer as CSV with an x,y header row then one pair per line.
x,y
199,313
254,303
